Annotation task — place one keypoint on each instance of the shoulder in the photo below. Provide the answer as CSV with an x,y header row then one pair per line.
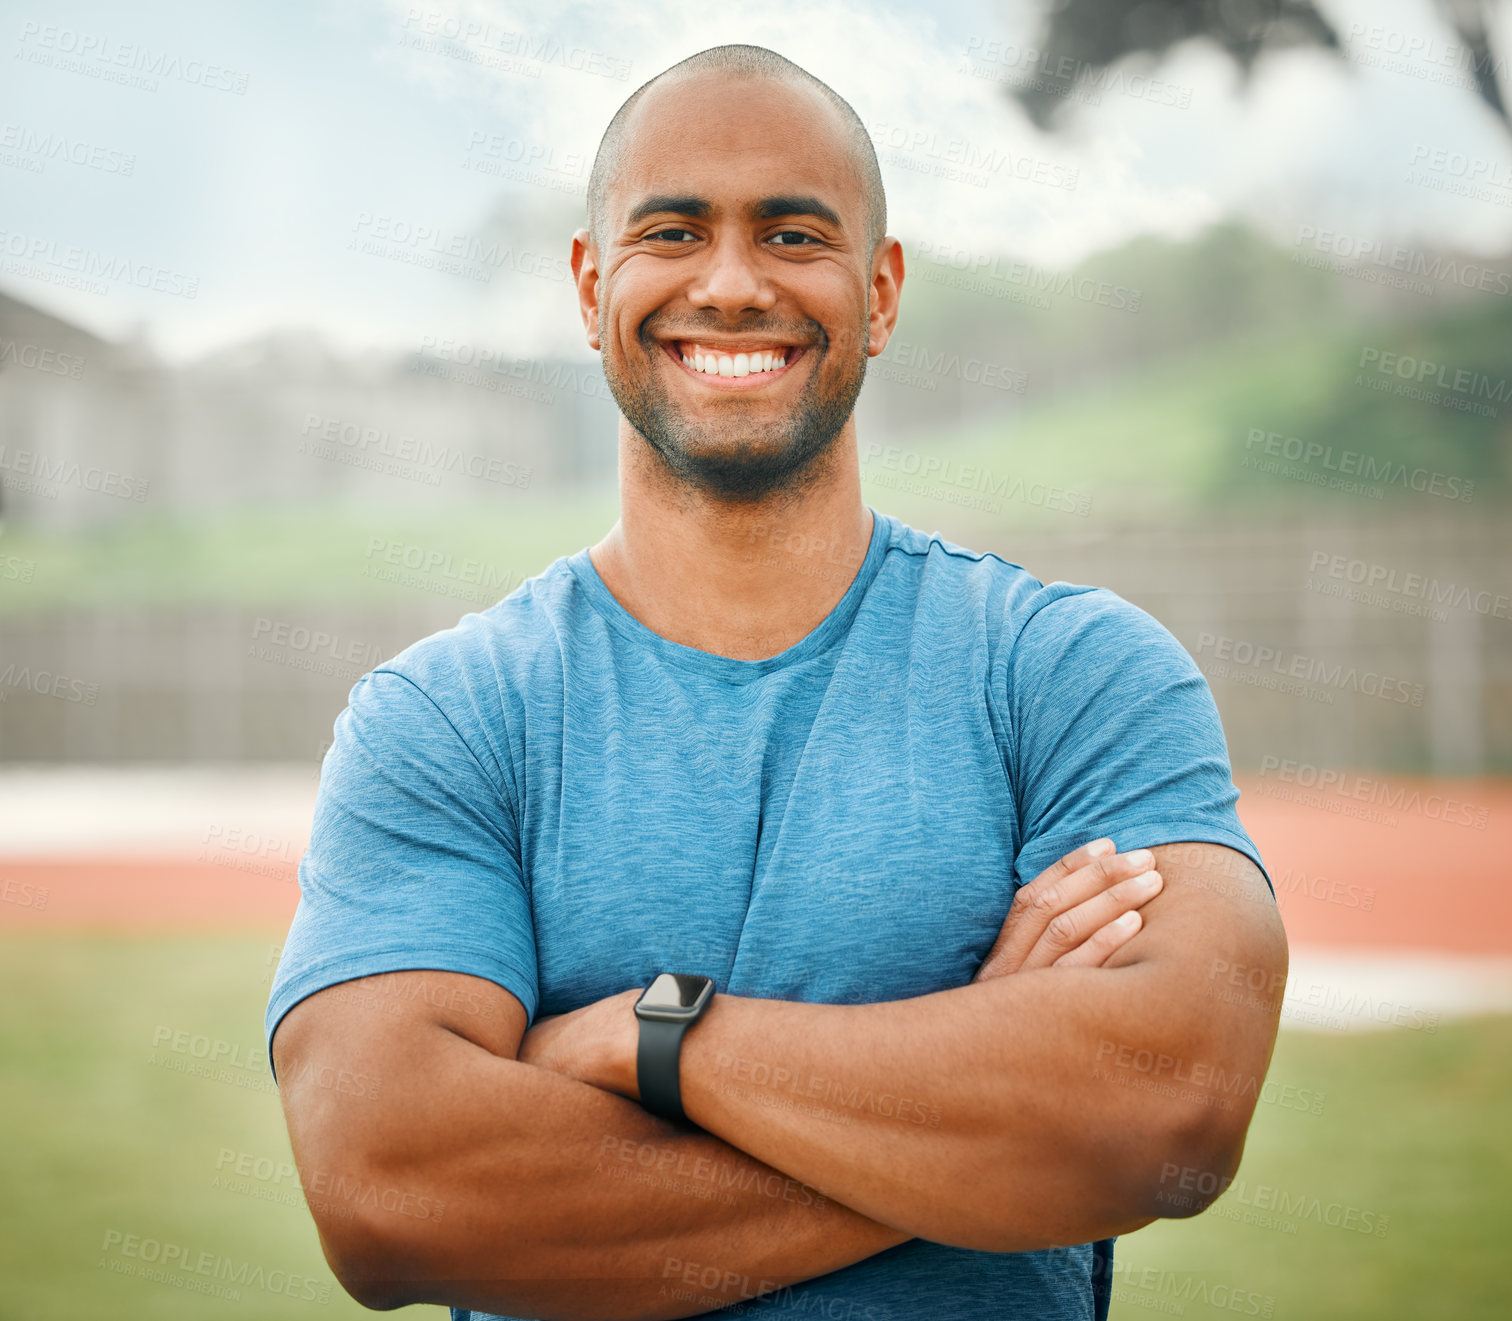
x,y
1093,625
949,577
1022,612
470,682
488,652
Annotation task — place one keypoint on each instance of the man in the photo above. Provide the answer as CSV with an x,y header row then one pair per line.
x,y
768,735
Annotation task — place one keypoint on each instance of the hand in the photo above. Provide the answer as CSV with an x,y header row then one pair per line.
x,y
595,1044
1075,913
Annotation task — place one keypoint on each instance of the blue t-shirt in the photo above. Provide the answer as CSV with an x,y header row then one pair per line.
x,y
554,797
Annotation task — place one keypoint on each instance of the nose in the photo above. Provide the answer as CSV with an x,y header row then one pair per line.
x,y
730,279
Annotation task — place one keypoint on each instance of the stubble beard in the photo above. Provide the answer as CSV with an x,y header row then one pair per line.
x,y
736,460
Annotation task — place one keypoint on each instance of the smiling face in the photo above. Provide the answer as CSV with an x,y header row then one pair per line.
x,y
732,302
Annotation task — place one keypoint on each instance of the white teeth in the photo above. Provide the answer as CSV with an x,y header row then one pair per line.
x,y
732,365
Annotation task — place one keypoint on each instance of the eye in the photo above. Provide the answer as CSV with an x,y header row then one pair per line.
x,y
686,235
793,234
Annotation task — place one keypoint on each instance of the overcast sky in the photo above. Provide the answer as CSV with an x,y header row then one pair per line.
x,y
293,165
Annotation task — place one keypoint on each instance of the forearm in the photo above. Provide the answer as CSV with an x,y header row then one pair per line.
x,y
988,1116
564,1201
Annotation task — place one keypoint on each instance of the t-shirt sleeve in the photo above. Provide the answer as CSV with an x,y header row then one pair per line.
x,y
414,856
1115,733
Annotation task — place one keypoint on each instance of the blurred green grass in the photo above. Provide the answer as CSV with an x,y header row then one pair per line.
x,y
99,1139
1412,1127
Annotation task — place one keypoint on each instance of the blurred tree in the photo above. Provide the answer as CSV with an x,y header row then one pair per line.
x,y
1098,33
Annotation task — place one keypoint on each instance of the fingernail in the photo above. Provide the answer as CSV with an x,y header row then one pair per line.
x,y
1148,881
1100,848
1139,858
1129,919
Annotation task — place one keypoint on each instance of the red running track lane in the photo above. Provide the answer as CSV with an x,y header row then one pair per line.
x,y
1414,872
158,894
1427,865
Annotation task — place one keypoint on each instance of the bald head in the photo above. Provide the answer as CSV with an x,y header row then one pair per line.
x,y
749,62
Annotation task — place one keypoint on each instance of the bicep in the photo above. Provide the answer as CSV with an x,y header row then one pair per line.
x,y
371,1017
355,1061
1214,927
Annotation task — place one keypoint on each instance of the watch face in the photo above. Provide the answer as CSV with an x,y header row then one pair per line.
x,y
676,993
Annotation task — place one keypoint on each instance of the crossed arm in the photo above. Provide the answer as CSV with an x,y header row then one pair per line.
x,y
1062,1096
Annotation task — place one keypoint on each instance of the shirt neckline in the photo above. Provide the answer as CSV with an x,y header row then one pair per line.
x,y
728,667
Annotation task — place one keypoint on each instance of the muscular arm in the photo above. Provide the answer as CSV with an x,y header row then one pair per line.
x,y
1066,1097
1050,1107
520,1155
440,1169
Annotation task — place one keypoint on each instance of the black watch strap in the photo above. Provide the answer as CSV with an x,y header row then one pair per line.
x,y
656,1067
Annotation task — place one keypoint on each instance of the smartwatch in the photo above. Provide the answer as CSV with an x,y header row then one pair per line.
x,y
667,1008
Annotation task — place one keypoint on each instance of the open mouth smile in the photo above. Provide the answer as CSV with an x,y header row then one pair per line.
x,y
734,366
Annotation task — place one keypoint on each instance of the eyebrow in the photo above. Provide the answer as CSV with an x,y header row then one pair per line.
x,y
768,208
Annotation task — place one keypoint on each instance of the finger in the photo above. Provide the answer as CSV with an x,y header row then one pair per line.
x,y
1071,929
1050,894
1102,943
1064,866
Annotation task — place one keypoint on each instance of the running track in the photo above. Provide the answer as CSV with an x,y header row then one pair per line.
x,y
1410,881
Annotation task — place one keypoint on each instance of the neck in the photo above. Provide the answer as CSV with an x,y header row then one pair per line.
x,y
744,579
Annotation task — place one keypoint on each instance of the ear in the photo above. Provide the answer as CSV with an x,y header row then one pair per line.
x,y
886,293
585,273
